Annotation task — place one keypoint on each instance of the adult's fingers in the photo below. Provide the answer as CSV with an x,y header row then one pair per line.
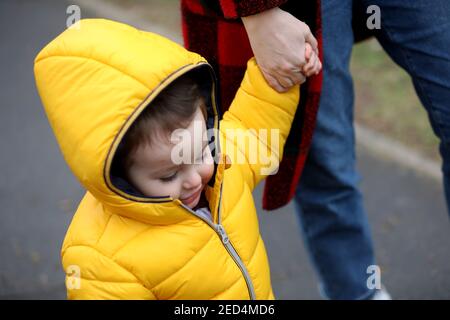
x,y
300,78
289,77
273,82
297,77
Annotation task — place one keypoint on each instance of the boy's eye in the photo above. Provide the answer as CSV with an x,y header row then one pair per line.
x,y
169,178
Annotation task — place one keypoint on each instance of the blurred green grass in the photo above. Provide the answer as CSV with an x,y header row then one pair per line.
x,y
385,100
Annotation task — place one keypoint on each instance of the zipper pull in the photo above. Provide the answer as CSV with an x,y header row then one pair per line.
x,y
223,234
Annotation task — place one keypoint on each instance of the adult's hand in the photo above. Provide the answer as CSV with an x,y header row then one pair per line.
x,y
278,41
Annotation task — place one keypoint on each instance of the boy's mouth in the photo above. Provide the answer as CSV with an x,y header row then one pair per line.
x,y
190,200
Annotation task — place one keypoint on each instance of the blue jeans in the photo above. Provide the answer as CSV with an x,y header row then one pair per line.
x,y
416,34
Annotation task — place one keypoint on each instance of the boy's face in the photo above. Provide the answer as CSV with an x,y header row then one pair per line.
x,y
155,174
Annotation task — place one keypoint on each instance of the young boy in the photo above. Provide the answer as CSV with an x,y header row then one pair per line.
x,y
150,226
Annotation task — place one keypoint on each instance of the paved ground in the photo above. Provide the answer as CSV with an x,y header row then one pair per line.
x,y
38,194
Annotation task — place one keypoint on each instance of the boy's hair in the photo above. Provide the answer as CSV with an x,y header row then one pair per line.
x,y
173,108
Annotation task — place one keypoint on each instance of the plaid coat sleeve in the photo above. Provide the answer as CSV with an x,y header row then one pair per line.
x,y
210,31
232,9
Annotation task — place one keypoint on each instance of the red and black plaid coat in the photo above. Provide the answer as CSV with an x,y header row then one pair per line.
x,y
213,29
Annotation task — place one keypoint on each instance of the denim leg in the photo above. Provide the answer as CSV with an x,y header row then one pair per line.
x,y
416,34
328,203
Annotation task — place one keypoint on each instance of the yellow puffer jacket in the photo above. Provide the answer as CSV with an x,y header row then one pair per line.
x,y
94,80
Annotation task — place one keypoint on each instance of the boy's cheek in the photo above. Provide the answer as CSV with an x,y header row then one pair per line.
x,y
209,170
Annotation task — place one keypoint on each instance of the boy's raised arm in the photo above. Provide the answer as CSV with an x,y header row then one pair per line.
x,y
256,126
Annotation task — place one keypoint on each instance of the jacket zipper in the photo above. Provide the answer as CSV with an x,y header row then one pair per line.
x,y
220,230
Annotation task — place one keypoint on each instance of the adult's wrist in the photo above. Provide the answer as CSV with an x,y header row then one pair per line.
x,y
256,21
233,9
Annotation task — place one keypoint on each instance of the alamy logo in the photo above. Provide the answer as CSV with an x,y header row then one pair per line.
x,y
374,21
374,280
74,13
73,277
249,146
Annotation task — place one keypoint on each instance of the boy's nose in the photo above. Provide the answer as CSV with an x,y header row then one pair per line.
x,y
193,180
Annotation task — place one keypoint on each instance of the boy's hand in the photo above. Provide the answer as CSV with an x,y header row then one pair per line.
x,y
313,64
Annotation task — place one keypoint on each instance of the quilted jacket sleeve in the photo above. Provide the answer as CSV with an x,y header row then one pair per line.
x,y
256,126
233,9
84,281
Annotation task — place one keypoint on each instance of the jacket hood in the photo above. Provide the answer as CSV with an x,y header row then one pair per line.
x,y
94,80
